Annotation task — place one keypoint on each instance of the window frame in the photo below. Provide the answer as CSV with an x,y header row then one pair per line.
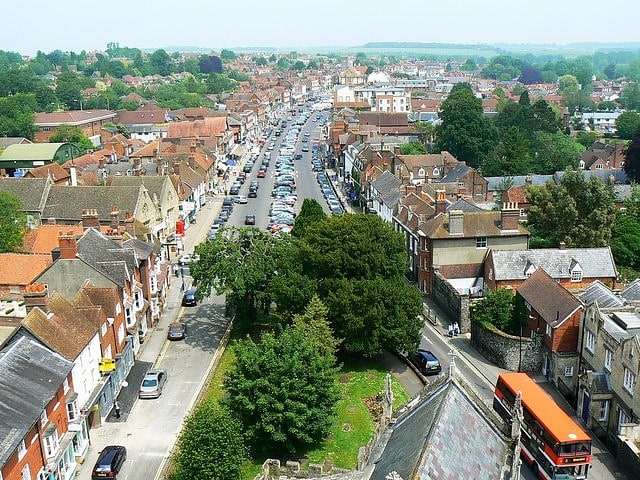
x,y
482,243
629,380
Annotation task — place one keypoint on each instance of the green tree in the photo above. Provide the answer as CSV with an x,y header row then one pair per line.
x,y
512,155
576,211
218,83
227,55
13,223
625,234
555,152
465,132
313,323
283,391
261,61
68,133
627,125
630,97
211,445
413,148
607,106
469,65
160,62
69,90
17,115
586,139
496,308
358,264
632,159
310,213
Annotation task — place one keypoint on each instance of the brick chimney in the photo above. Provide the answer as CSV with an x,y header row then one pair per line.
x,y
90,219
36,295
129,224
192,162
456,222
68,245
441,201
115,219
509,216
176,167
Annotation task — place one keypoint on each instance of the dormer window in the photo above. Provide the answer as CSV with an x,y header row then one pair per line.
x,y
436,171
576,272
528,271
421,172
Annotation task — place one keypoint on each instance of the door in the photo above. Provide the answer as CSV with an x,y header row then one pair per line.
x,y
586,403
547,367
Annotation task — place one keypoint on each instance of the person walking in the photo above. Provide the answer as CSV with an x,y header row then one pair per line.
x,y
116,408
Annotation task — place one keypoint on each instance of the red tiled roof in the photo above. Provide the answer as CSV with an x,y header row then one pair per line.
x,y
22,268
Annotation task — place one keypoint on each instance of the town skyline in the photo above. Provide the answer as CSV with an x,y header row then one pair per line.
x,y
283,24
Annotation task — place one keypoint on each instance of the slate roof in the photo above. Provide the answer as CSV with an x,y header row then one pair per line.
x,y
387,185
632,292
595,262
599,292
68,276
495,183
63,328
106,255
6,141
464,205
30,375
456,172
153,184
446,436
475,224
32,192
67,202
551,300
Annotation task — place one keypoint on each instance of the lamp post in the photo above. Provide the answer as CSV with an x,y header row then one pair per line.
x,y
182,276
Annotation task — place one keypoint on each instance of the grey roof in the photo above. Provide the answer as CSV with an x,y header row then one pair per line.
x,y
459,170
447,436
67,202
595,262
143,250
618,176
464,205
517,180
31,191
106,255
387,185
30,375
632,292
599,292
154,184
68,276
600,382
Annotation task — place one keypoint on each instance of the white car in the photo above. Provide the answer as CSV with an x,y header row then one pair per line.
x,y
188,258
240,199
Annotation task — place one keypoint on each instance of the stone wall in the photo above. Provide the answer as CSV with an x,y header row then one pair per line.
x,y
450,300
628,455
504,350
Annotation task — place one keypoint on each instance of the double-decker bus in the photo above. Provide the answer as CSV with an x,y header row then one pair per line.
x,y
552,443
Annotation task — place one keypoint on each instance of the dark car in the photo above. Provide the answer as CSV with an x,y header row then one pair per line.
x,y
426,362
109,462
189,298
234,191
177,331
253,193
250,220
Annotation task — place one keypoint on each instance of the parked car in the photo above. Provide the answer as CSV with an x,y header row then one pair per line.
x,y
152,383
240,199
426,362
109,462
250,220
188,258
189,298
177,331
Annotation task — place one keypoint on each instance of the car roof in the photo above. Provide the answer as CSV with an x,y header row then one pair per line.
x,y
427,354
176,325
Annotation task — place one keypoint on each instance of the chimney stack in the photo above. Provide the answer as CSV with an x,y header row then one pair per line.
x,y
73,172
36,295
90,219
129,224
68,245
441,201
509,216
115,219
176,167
456,222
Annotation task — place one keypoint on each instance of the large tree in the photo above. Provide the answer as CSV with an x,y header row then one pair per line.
x,y
465,132
12,222
577,211
211,445
627,125
632,158
283,390
310,213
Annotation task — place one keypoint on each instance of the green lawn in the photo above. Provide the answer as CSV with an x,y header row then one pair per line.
x,y
353,426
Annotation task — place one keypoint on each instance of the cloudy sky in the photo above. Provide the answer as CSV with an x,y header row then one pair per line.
x,y
69,25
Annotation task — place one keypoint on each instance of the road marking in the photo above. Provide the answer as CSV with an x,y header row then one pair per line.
x,y
426,339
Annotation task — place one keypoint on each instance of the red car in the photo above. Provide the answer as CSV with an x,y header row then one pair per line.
x,y
262,173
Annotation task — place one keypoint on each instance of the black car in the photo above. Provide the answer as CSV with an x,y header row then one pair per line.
x,y
189,298
250,220
426,362
234,191
109,462
253,193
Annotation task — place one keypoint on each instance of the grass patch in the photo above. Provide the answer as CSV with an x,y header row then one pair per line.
x,y
358,380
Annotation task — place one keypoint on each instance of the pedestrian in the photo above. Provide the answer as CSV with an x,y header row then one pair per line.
x,y
456,329
450,330
116,408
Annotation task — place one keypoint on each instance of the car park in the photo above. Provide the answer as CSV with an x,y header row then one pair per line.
x,y
109,462
152,383
177,331
426,362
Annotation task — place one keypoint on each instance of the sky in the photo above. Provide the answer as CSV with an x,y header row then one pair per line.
x,y
70,25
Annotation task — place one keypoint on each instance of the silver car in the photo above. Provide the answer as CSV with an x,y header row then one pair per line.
x,y
152,383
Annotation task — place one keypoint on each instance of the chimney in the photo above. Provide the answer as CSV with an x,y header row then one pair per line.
x,y
176,167
102,162
36,295
441,201
456,222
51,221
115,219
68,245
527,180
192,148
74,175
90,219
192,162
509,216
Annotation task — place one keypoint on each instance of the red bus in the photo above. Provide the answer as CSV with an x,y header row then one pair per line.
x,y
553,444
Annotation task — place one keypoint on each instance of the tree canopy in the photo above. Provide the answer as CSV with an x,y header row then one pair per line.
x,y
579,212
627,125
632,158
12,222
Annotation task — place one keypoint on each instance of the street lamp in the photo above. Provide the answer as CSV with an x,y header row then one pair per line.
x,y
182,276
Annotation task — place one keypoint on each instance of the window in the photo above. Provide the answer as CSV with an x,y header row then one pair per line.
x,y
599,166
608,359
591,341
43,418
72,411
548,330
51,443
26,473
629,380
481,242
568,371
22,450
576,275
603,413
622,419
65,385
